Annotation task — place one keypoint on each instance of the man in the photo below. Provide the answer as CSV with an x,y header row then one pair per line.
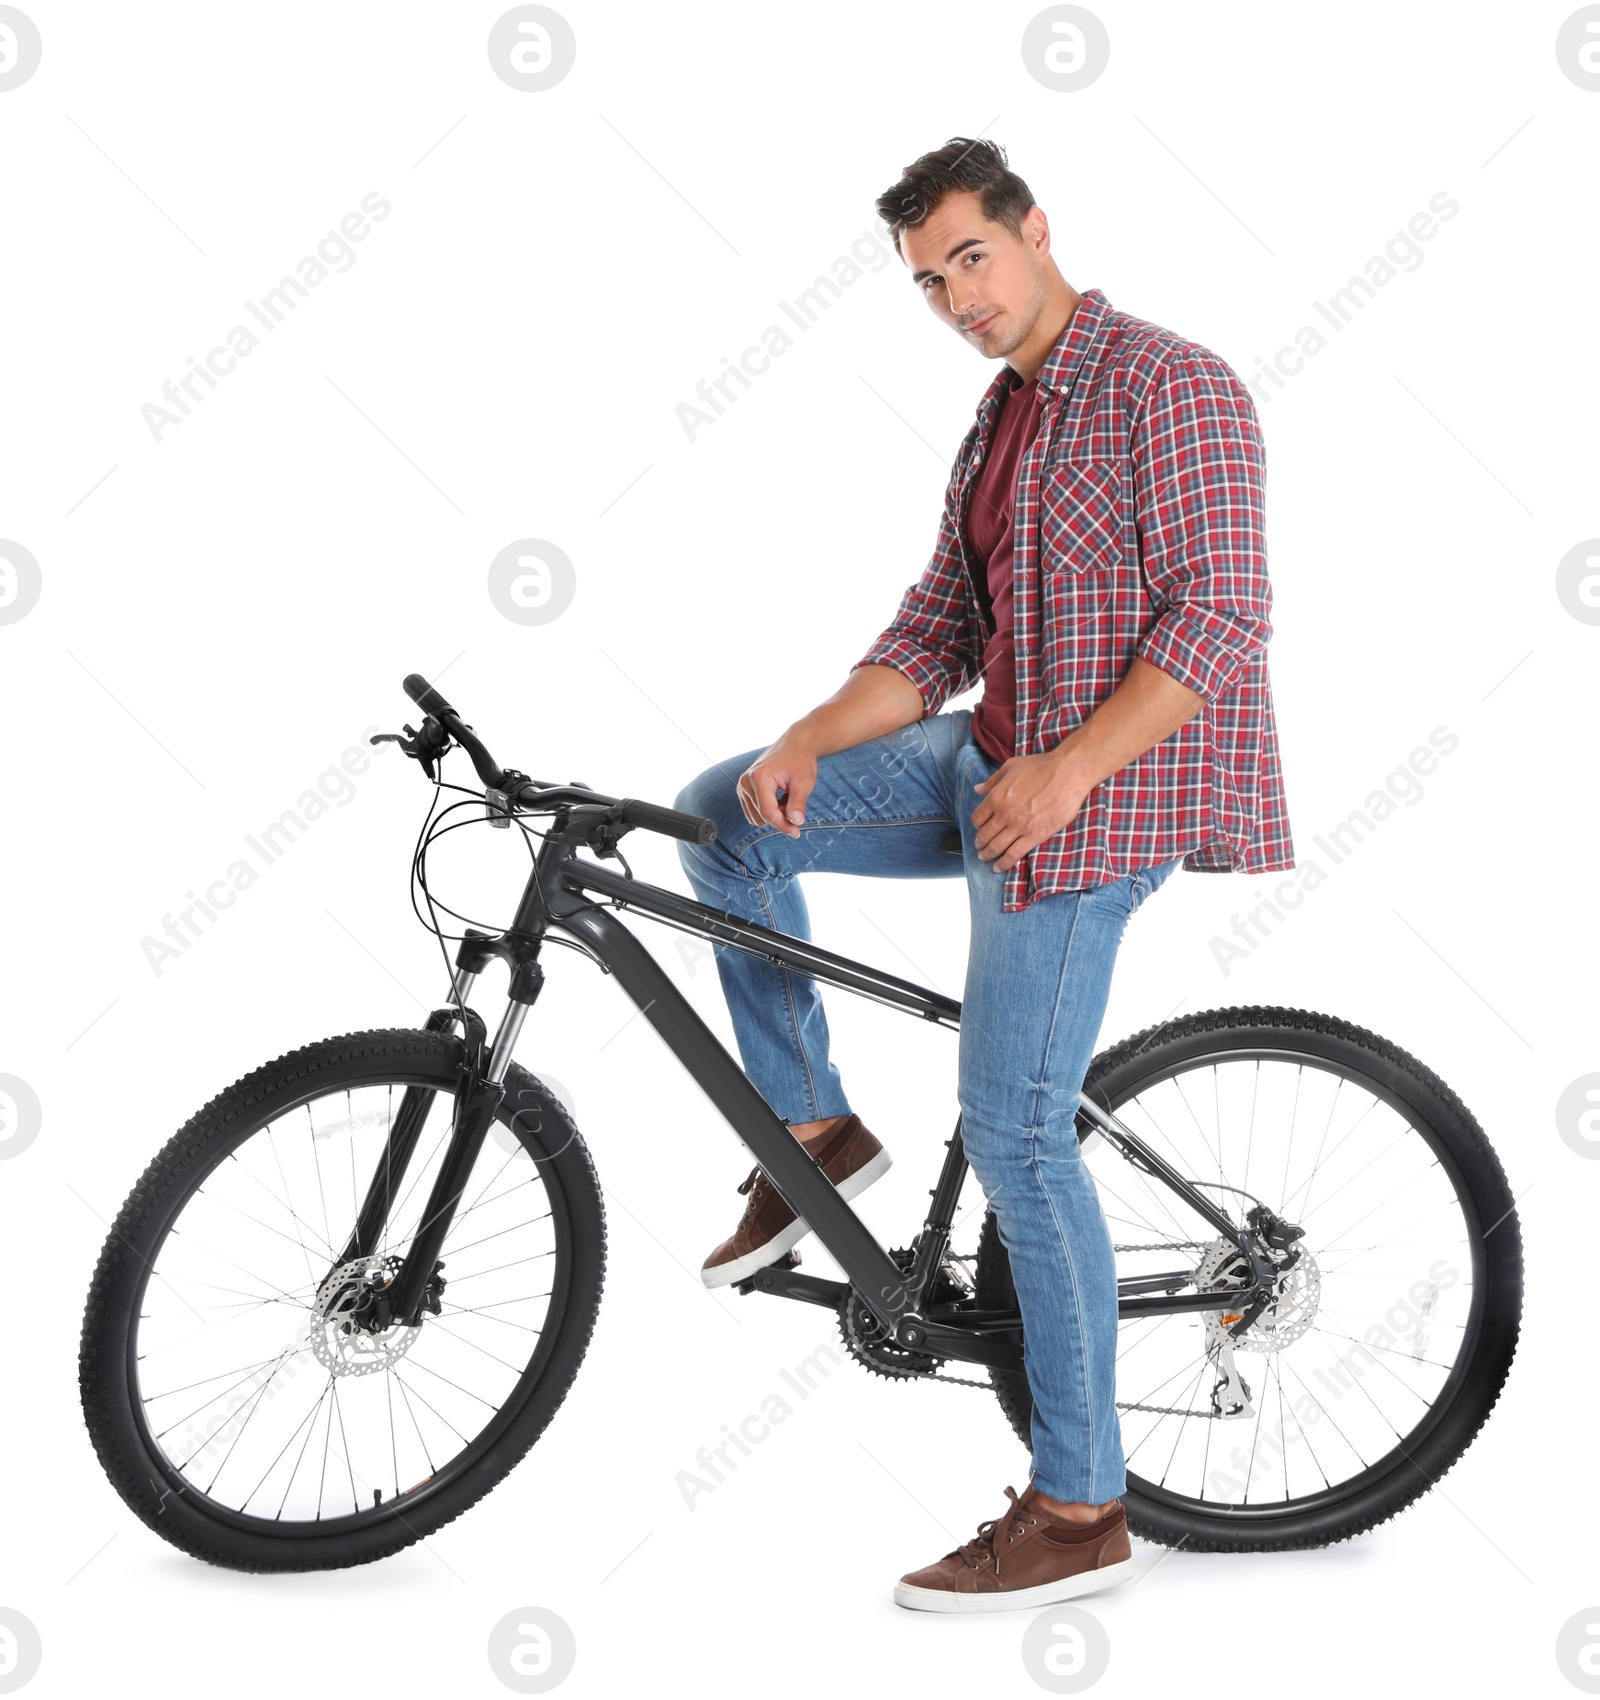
x,y
1100,566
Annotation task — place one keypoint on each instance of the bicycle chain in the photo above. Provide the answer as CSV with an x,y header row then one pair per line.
x,y
1172,1411
1154,1410
1169,1410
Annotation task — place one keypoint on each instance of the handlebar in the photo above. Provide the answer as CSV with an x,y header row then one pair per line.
x,y
529,793
693,829
425,696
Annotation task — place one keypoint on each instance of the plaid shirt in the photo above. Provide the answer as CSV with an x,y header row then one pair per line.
x,y
1139,531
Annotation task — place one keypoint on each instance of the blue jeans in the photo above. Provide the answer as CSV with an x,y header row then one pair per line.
x,y
1036,988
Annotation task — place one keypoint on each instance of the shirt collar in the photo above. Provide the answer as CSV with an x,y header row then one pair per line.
x,y
1061,367
1059,371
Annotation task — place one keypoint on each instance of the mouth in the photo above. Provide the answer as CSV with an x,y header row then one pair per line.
x,y
981,326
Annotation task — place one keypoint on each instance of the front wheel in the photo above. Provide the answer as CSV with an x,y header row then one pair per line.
x,y
1384,1347
231,1400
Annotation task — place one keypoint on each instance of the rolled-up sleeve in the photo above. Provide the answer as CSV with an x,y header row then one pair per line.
x,y
931,638
1199,494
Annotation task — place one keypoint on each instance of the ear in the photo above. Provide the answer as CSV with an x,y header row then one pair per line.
x,y
1037,228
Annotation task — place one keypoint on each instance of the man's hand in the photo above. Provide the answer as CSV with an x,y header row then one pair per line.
x,y
1026,800
872,702
790,766
1031,798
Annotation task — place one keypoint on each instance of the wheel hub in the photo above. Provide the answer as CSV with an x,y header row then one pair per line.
x,y
1297,1290
342,1341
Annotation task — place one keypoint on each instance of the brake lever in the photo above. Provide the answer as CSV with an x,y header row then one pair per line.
x,y
426,746
603,835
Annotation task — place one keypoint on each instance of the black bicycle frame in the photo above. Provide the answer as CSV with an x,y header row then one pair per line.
x,y
558,897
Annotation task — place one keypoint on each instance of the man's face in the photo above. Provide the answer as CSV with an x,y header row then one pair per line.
x,y
986,284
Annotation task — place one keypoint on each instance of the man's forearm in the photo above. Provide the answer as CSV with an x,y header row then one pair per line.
x,y
1146,708
871,703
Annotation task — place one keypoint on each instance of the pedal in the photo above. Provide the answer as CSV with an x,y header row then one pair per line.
x,y
789,1260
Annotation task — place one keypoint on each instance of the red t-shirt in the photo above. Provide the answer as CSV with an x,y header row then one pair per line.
x,y
991,523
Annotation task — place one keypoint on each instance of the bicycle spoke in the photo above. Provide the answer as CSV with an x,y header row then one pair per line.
x,y
292,1238
272,1145
410,1392
322,1191
455,1384
310,1426
243,1375
483,1311
477,1274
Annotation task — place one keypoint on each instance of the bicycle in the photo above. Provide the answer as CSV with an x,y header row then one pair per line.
x,y
1282,1382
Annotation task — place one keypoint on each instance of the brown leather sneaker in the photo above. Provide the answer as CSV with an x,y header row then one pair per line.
x,y
850,1157
1024,1558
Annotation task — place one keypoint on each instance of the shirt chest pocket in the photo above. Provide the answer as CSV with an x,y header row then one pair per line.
x,y
1080,517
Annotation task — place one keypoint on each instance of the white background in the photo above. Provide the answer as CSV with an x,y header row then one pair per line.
x,y
232,605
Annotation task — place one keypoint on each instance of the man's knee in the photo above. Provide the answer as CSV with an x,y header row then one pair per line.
x,y
1005,1140
997,1153
706,794
713,795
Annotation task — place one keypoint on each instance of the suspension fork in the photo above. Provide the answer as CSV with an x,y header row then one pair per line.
x,y
404,1131
480,1088
479,1093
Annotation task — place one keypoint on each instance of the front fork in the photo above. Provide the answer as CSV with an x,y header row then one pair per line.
x,y
479,1090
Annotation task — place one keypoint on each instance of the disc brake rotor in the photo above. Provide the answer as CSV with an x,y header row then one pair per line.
x,y
1297,1290
340,1343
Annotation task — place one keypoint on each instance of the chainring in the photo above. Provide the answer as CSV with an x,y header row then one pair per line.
x,y
866,1342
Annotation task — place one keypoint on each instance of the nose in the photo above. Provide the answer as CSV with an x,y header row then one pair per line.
x,y
964,302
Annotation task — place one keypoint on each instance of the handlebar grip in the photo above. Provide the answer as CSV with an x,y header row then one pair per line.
x,y
693,829
425,696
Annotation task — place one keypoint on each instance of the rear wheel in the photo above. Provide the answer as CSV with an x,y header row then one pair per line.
x,y
1384,1349
232,1401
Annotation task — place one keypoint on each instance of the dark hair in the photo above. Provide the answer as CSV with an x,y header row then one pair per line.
x,y
961,163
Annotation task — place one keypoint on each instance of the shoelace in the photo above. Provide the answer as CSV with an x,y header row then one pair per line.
x,y
758,1186
998,1532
